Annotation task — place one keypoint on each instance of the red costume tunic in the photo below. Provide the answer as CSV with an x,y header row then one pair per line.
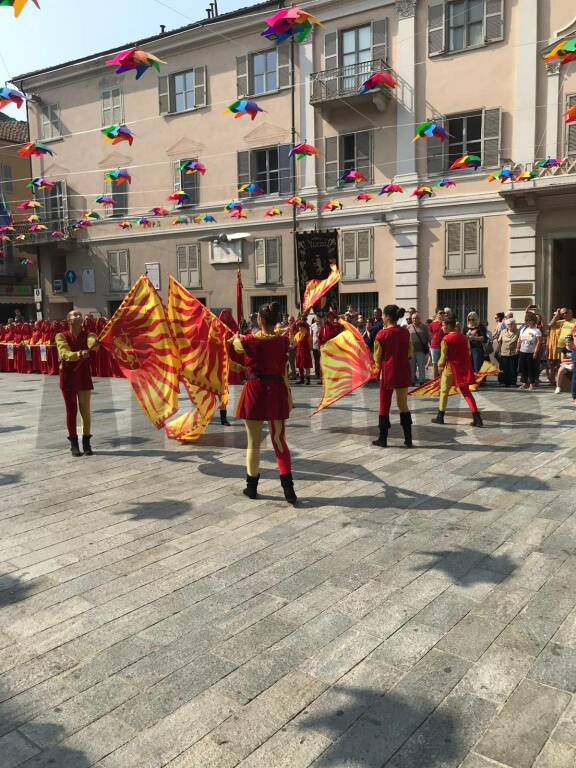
x,y
3,353
456,352
9,338
35,344
266,395
303,341
75,376
394,357
329,330
236,372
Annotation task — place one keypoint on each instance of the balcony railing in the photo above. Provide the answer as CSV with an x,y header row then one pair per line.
x,y
16,285
567,168
45,236
344,82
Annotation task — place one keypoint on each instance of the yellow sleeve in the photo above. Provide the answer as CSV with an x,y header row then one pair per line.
x,y
378,353
443,353
64,352
93,342
237,344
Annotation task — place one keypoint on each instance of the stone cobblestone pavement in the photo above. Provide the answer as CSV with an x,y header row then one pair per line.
x,y
416,610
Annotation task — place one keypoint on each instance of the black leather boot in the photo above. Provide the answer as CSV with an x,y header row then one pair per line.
x,y
476,420
288,488
251,489
308,380
406,422
74,447
86,447
383,426
224,418
439,418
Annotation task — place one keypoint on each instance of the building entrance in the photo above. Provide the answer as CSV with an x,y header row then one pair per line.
x,y
563,274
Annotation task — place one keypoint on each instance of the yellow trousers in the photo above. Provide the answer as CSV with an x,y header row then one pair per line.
x,y
278,435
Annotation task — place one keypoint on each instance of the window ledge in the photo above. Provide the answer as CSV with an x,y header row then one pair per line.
x,y
54,140
358,280
184,111
268,285
464,274
266,93
447,54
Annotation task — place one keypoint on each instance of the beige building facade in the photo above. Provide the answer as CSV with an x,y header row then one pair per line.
x,y
475,66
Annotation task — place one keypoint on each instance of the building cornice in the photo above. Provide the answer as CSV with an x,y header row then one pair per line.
x,y
406,9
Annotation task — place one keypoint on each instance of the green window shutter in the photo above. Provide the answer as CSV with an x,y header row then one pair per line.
x,y
453,256
182,261
491,133
284,68
242,87
436,27
330,50
164,94
380,39
570,140
273,260
471,247
260,261
200,86
194,266
364,154
364,254
494,21
331,162
243,161
176,175
285,166
349,271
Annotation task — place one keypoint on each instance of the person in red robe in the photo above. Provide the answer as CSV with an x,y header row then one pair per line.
x,y
3,354
52,366
392,353
455,366
10,337
303,344
35,340
330,329
266,397
74,346
236,367
26,353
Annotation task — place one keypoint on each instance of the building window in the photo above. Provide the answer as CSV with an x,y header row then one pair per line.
x,y
465,136
258,301
183,91
270,169
55,213
187,182
363,303
188,257
268,260
184,84
50,127
571,129
463,248
476,133
119,270
263,72
6,179
355,48
351,151
112,107
465,24
464,300
119,192
357,255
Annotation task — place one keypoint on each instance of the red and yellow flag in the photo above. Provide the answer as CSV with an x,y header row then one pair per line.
x,y
346,365
316,289
140,339
432,388
201,340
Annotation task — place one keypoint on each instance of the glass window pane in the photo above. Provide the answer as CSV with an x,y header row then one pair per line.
x,y
456,129
273,159
475,11
365,38
271,81
261,161
178,83
189,81
474,128
349,148
456,39
476,33
180,102
271,61
258,85
258,62
349,41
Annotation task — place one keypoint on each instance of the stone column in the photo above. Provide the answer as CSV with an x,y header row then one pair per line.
x,y
405,234
522,265
405,95
552,108
307,167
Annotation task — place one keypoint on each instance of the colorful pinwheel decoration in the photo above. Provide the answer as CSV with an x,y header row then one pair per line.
x,y
11,96
81,224
91,215
466,161
233,206
364,197
40,183
18,5
300,151
57,234
564,52
207,218
244,107
118,176
502,175
307,206
159,211
251,189
294,200
32,219
124,225
37,228
290,23
238,213
271,212
445,183
179,197
28,205
352,177
526,176
26,262
570,115
332,205
20,238
7,230
34,149
550,162
118,133
181,220
422,193
377,81
144,221
390,189
134,59
193,166
106,200
431,130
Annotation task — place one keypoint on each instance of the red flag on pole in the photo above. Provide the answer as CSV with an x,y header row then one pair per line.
x,y
239,302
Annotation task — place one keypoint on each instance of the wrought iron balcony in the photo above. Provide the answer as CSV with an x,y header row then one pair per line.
x,y
39,238
345,82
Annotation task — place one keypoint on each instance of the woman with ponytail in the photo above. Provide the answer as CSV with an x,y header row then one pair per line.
x,y
266,397
392,353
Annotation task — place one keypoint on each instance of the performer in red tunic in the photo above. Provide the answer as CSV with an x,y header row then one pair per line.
x,y
3,353
74,347
236,370
35,345
392,353
330,328
10,338
53,329
303,342
266,397
455,366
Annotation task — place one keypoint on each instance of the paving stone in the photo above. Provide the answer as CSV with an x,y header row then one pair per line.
x,y
339,656
524,725
254,639
471,636
407,646
556,666
15,749
556,755
496,674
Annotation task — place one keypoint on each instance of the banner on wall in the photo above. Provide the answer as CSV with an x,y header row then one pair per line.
x,y
316,253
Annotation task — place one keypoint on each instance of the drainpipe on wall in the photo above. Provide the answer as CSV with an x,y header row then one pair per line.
x,y
293,170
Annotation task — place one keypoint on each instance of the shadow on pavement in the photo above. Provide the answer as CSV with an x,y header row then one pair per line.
x,y
7,479
166,509
15,428
13,590
470,566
